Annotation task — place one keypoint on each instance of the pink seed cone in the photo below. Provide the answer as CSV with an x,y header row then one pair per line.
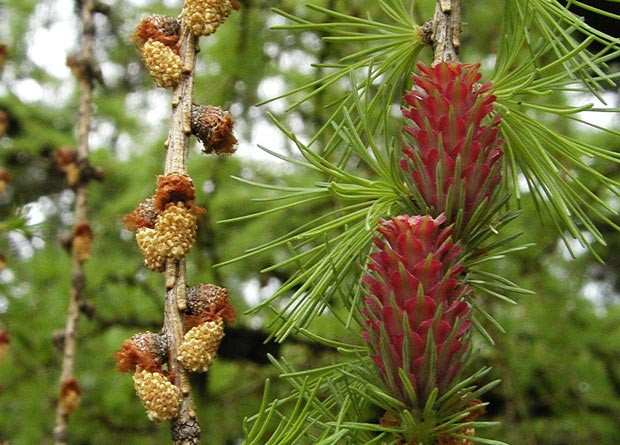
x,y
415,317
454,161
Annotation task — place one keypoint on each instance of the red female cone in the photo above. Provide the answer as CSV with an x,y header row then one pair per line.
x,y
453,164
415,317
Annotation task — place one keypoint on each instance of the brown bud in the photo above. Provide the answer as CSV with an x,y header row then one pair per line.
x,y
4,343
65,155
146,351
78,69
82,240
4,122
4,175
160,28
207,302
84,68
172,188
144,216
2,261
4,52
474,414
58,339
214,128
389,420
87,308
446,439
69,396
5,179
66,160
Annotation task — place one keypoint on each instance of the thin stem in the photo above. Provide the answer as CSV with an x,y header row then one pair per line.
x,y
446,31
84,74
180,120
185,429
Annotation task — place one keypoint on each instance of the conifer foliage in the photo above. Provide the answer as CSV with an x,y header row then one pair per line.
x,y
404,257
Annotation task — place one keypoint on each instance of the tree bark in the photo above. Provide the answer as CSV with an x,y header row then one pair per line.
x,y
446,31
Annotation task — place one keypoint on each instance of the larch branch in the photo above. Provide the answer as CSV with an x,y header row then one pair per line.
x,y
446,31
85,72
185,427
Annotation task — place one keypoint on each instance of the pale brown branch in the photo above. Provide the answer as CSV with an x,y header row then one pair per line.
x,y
185,429
85,77
446,31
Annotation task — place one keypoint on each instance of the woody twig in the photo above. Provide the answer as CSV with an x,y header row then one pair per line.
x,y
86,73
